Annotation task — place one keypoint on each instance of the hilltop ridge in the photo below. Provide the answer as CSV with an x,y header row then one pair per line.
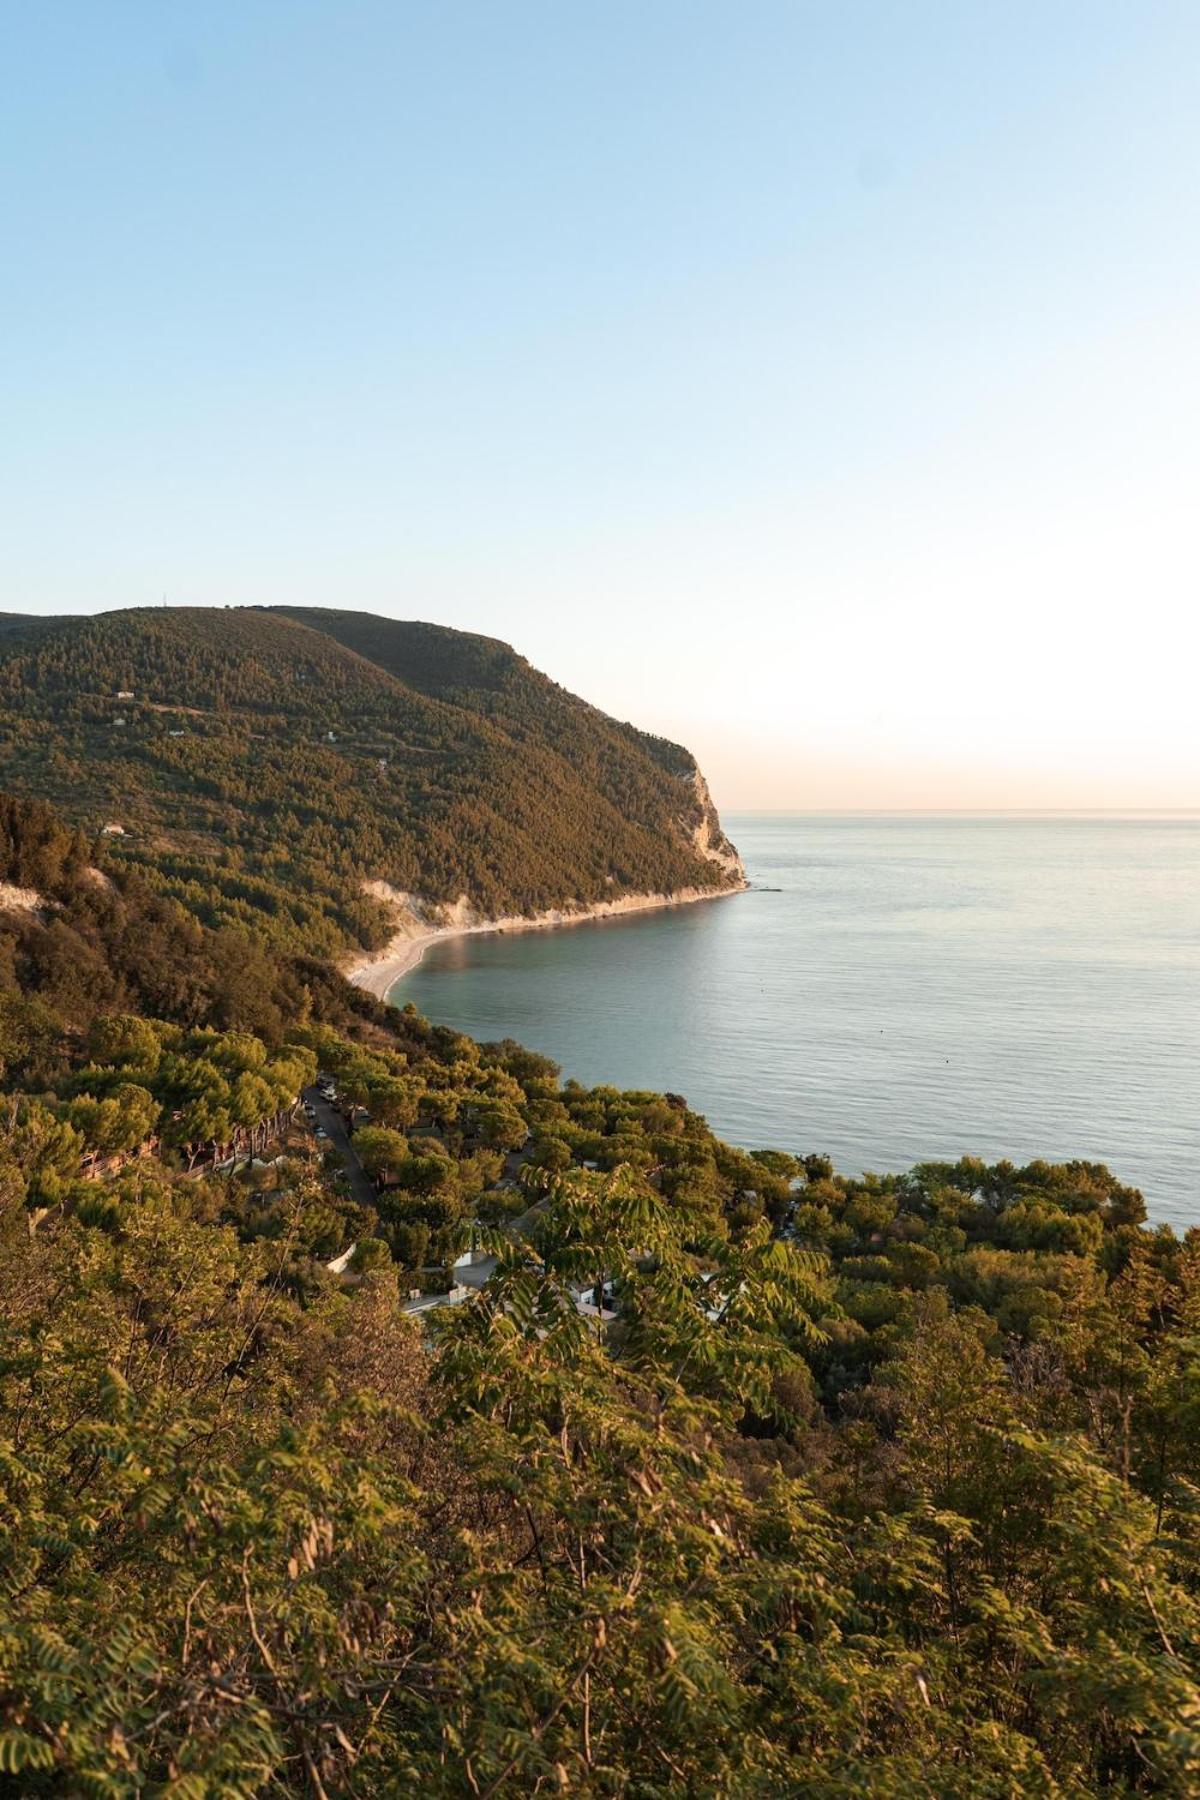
x,y
285,758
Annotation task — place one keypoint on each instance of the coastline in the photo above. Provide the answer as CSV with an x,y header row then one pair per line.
x,y
378,974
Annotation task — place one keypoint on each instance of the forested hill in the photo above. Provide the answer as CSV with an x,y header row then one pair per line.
x,y
261,764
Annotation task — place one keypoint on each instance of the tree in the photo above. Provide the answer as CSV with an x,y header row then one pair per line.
x,y
47,1150
124,1041
502,1128
127,1118
381,1151
392,1101
370,1253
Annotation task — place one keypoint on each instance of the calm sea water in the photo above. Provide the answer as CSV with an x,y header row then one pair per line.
x,y
895,989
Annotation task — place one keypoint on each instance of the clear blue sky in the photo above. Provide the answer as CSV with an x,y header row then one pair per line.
x,y
818,383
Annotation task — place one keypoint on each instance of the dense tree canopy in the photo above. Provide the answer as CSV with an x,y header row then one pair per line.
x,y
736,1477
257,766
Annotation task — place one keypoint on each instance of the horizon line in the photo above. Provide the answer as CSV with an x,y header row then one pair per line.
x,y
971,812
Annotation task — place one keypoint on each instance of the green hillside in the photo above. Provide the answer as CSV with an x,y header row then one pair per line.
x,y
879,1486
486,676
254,759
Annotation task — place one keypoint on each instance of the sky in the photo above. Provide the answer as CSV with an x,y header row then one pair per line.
x,y
818,384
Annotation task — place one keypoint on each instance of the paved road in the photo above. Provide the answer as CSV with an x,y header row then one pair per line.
x,y
330,1121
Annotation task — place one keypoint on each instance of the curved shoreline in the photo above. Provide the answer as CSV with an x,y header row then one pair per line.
x,y
379,973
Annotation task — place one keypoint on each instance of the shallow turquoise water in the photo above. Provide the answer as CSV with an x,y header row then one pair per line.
x,y
919,987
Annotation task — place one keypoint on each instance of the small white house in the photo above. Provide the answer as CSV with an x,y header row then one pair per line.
x,y
124,693
469,1258
585,1303
113,831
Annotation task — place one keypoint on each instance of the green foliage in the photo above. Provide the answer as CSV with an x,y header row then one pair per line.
x,y
381,1151
256,1543
269,761
734,1478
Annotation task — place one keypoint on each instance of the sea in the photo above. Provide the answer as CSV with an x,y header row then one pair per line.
x,y
891,990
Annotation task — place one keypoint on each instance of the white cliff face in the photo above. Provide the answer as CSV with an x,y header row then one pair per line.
x,y
708,837
418,921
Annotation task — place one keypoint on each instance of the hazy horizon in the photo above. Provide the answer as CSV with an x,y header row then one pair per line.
x,y
815,388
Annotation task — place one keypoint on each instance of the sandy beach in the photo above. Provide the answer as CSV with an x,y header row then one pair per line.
x,y
377,974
